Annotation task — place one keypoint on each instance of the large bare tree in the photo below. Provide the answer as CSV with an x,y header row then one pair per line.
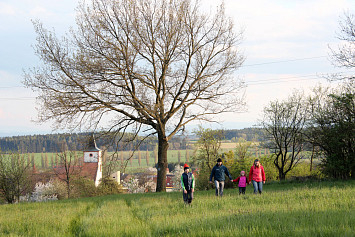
x,y
156,65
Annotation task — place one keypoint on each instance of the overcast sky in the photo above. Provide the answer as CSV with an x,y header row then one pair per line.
x,y
286,45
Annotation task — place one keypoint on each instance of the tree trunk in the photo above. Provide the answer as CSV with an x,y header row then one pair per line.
x,y
162,163
282,176
68,187
310,168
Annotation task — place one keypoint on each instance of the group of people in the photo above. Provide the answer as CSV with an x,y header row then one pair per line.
x,y
219,171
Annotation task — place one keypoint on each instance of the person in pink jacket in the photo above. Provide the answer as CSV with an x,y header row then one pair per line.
x,y
242,182
257,176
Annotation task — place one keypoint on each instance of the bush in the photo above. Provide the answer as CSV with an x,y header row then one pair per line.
x,y
60,189
44,192
109,186
271,172
202,178
83,187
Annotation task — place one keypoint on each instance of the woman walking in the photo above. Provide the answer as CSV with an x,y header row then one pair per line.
x,y
257,176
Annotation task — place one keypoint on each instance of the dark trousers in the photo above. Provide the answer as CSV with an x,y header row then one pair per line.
x,y
219,187
188,196
242,190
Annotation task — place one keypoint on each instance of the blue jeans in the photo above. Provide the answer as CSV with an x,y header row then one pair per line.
x,y
219,187
258,186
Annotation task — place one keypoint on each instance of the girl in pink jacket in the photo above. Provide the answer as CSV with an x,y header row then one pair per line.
x,y
242,182
257,176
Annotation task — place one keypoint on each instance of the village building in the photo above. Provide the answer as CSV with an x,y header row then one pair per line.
x,y
92,166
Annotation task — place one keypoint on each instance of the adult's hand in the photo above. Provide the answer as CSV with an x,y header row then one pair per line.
x,y
210,182
185,191
263,182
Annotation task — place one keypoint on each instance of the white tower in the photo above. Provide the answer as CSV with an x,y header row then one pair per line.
x,y
93,155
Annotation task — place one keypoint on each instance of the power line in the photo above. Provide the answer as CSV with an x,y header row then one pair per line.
x,y
283,81
290,78
282,61
249,83
318,75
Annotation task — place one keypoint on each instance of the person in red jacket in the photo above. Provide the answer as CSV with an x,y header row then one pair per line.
x,y
242,182
257,176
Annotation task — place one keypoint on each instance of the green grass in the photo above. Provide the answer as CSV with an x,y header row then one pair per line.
x,y
285,209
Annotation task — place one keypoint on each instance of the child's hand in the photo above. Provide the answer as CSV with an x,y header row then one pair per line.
x,y
232,181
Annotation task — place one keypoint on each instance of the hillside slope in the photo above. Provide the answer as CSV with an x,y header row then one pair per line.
x,y
285,209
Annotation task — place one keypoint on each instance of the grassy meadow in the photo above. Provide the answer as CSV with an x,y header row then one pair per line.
x,y
285,209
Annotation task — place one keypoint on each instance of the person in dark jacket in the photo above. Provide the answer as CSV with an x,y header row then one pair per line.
x,y
218,172
187,184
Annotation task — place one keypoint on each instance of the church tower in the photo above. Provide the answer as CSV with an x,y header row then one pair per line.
x,y
92,153
93,159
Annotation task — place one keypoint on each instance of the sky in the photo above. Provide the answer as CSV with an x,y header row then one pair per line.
x,y
286,45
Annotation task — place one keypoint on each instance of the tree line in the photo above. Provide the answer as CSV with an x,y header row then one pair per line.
x,y
79,141
248,134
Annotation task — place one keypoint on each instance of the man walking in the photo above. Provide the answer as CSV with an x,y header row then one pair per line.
x,y
218,172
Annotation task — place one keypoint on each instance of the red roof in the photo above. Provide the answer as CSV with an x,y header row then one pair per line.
x,y
87,170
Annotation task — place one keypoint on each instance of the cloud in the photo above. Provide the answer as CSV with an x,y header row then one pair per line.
x,y
277,30
40,12
7,9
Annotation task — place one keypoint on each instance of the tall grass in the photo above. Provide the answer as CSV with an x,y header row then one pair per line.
x,y
285,209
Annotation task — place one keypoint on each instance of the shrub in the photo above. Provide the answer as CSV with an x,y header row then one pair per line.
x,y
271,172
109,186
202,177
83,187
60,189
44,192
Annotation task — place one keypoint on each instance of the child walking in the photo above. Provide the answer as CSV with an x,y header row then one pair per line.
x,y
187,184
242,182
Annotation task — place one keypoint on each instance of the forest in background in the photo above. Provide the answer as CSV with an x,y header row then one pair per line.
x,y
78,141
